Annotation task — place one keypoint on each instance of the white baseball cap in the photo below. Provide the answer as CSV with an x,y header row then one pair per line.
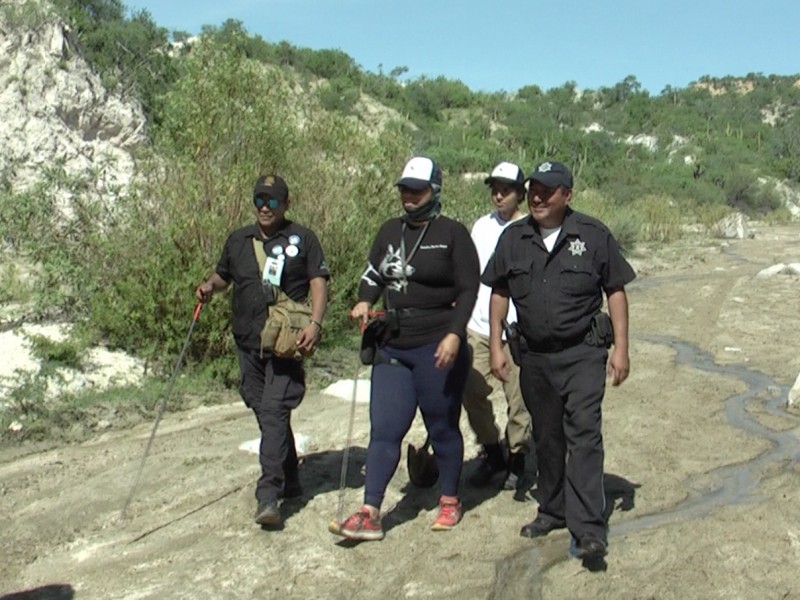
x,y
419,173
507,172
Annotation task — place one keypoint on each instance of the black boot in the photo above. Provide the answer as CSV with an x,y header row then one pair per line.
x,y
516,471
492,465
268,513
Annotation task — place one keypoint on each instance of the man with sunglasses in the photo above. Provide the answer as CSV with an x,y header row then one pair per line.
x,y
555,266
271,386
506,192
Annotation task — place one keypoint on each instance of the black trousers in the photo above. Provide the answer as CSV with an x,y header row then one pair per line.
x,y
563,392
271,388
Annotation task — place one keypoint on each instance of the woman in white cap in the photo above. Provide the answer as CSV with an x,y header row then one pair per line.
x,y
425,267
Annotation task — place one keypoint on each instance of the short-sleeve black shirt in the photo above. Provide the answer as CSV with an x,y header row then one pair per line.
x,y
557,293
304,260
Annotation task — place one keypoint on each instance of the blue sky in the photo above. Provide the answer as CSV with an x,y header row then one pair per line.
x,y
507,44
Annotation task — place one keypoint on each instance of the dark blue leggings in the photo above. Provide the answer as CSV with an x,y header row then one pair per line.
x,y
397,390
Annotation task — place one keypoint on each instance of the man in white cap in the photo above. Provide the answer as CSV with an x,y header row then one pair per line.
x,y
507,191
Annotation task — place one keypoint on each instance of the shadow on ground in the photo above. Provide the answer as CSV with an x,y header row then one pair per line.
x,y
321,472
56,591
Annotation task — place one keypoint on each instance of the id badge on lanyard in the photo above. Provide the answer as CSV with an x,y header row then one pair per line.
x,y
273,269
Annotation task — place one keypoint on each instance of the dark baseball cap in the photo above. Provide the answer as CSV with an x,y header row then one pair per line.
x,y
552,174
508,173
419,173
271,186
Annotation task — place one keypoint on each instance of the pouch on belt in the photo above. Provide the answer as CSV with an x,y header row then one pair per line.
x,y
601,333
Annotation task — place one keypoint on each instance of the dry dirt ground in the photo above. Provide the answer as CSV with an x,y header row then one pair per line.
x,y
703,478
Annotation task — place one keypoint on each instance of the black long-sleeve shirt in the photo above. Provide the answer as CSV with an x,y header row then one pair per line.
x,y
442,273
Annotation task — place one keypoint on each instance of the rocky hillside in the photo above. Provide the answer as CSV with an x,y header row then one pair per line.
x,y
56,112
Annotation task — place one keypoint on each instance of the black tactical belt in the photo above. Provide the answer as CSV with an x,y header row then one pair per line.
x,y
405,313
552,345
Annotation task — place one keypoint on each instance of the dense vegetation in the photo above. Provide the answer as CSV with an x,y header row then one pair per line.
x,y
224,108
707,140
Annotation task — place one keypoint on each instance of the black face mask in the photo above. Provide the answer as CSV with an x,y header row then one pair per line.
x,y
427,211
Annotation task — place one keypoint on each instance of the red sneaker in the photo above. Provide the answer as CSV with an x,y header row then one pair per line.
x,y
361,526
450,514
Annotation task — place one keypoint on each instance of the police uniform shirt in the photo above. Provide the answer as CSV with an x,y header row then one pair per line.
x,y
303,261
557,293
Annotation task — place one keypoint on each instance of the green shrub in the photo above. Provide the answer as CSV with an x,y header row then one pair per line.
x,y
65,353
660,218
780,216
33,413
128,270
129,53
124,266
15,285
708,215
29,15
647,219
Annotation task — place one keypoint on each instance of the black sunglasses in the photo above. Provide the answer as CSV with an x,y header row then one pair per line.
x,y
270,203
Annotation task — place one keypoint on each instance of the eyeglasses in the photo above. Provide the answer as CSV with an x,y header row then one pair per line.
x,y
270,203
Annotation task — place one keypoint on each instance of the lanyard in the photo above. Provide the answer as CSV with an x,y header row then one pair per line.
x,y
406,258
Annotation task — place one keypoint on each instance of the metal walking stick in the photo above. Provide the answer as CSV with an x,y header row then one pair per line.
x,y
335,526
161,406
346,454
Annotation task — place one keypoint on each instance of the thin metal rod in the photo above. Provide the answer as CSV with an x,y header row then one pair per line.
x,y
346,452
161,406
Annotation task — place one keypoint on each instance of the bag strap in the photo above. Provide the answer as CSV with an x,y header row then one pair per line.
x,y
261,256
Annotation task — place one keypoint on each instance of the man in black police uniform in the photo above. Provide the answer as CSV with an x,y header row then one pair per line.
x,y
271,386
555,266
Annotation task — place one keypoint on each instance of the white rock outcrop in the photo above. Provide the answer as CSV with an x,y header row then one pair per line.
x,y
650,142
779,269
794,393
55,110
732,227
789,196
100,368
